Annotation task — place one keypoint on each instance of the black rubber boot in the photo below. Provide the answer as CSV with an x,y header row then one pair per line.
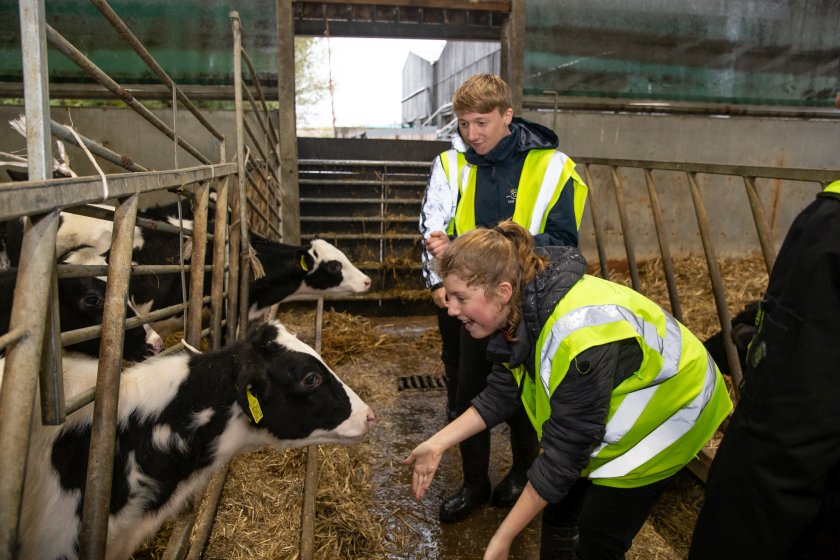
x,y
524,449
467,500
475,458
557,543
451,372
509,489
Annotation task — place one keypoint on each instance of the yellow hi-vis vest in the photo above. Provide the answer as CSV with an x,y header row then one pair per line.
x,y
660,416
833,187
544,174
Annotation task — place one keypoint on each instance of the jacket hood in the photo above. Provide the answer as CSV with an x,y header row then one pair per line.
x,y
530,135
524,135
539,298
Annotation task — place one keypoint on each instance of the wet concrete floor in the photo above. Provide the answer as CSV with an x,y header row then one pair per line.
x,y
412,417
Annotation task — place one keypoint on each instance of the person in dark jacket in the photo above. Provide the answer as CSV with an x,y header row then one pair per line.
x,y
500,166
772,490
620,393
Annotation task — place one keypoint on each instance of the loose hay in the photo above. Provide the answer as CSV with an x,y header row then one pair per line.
x,y
744,280
259,515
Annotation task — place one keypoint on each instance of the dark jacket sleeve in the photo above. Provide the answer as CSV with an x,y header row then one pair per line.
x,y
579,408
500,398
561,225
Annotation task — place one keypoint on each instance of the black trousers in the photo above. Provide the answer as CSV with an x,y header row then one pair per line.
x,y
607,518
467,368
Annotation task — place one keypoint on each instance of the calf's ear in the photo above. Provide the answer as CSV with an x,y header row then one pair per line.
x,y
304,260
253,391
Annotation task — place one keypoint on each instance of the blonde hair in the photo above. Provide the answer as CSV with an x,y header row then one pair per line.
x,y
482,93
485,258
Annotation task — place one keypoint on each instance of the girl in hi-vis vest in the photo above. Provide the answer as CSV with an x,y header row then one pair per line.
x,y
622,396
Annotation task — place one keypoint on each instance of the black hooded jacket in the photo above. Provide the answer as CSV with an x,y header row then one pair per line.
x,y
497,179
580,403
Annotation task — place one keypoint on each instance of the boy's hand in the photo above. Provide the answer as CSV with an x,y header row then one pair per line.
x,y
439,298
437,243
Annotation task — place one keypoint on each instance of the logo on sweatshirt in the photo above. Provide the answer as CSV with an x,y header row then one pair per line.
x,y
511,196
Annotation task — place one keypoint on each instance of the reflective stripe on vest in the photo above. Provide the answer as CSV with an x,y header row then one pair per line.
x,y
453,159
833,187
543,177
662,437
655,408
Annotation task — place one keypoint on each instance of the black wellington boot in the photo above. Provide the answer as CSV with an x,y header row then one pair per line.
x,y
557,543
451,378
475,457
524,449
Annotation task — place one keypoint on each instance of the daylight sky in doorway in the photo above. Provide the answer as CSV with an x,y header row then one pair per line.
x,y
367,79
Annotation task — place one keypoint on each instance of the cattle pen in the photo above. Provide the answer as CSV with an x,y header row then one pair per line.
x,y
642,217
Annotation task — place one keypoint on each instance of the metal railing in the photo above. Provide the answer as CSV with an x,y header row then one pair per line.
x,y
34,335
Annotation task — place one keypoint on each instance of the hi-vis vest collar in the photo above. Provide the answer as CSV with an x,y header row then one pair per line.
x,y
544,174
833,187
655,408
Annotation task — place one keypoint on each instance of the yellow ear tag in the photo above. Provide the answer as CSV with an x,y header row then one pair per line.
x,y
303,263
254,405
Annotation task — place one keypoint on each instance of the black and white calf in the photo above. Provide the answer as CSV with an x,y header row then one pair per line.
x,y
81,304
316,269
180,417
743,330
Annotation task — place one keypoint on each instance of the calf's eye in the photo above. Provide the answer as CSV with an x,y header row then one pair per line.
x,y
311,380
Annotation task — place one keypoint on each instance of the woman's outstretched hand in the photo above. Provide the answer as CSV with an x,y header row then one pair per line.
x,y
426,458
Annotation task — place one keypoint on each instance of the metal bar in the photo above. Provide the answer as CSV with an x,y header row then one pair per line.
x,y
145,223
17,394
310,485
11,337
717,284
629,246
179,539
321,163
601,104
254,139
664,248
256,81
111,156
790,173
242,196
76,56
26,198
262,216
257,189
259,118
358,201
262,195
287,125
89,333
94,529
359,219
50,376
207,513
370,236
359,182
146,57
217,287
596,225
765,239
258,147
197,266
88,271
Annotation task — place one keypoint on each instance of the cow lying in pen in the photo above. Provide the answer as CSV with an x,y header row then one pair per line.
x,y
181,417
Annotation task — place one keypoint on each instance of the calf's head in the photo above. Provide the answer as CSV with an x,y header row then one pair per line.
x,y
285,388
329,270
